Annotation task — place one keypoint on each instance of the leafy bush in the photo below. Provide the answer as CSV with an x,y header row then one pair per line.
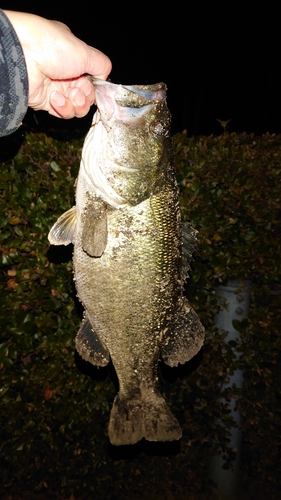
x,y
55,407
230,192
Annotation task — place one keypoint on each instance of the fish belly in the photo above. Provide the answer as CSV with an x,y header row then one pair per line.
x,y
131,294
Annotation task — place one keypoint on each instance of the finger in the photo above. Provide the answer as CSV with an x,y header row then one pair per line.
x,y
86,87
61,106
99,65
80,101
68,106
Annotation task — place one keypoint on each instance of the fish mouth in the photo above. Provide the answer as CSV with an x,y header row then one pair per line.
x,y
132,96
127,103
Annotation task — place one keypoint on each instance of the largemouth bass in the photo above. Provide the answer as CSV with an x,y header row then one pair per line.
x,y
129,259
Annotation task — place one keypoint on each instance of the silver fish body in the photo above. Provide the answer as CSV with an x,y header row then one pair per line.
x,y
129,261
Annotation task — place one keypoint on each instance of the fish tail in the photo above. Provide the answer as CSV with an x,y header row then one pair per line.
x,y
142,417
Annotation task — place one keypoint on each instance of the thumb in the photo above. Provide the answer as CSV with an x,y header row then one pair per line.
x,y
98,64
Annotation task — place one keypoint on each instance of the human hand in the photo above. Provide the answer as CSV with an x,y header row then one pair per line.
x,y
56,63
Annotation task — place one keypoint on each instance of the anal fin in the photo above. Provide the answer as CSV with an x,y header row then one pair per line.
x,y
184,338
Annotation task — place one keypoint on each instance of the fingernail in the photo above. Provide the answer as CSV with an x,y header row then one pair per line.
x,y
57,98
79,98
87,89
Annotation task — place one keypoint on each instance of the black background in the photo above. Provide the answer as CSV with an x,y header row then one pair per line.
x,y
219,62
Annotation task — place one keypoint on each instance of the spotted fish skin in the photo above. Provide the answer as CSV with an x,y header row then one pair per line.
x,y
129,267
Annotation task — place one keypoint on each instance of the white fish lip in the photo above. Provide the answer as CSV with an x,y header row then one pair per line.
x,y
126,103
155,92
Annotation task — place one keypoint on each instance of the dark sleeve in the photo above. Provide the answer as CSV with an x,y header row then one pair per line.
x,y
13,78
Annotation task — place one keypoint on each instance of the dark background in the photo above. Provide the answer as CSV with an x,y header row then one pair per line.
x,y
218,62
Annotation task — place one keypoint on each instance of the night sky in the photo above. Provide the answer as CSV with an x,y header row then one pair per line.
x,y
217,64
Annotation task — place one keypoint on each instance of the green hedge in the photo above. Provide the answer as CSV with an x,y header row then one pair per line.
x,y
230,191
55,407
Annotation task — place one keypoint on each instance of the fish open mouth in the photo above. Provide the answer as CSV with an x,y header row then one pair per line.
x,y
127,103
132,96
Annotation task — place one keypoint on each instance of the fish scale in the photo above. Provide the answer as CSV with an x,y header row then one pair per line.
x,y
128,266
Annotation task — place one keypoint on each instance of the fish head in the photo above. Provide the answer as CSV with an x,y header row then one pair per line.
x,y
131,139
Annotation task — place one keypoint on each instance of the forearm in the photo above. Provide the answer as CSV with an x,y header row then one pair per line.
x,y
13,78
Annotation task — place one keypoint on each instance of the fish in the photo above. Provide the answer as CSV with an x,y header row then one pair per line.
x,y
131,257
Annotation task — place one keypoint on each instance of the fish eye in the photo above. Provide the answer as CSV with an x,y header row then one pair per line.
x,y
158,128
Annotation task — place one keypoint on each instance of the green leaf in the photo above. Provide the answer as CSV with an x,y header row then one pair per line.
x,y
54,166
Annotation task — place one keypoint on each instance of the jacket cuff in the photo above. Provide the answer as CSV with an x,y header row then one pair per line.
x,y
13,78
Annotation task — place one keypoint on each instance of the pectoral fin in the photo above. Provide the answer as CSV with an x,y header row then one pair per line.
x,y
64,230
94,234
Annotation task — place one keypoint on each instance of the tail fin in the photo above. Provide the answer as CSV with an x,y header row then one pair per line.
x,y
137,418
